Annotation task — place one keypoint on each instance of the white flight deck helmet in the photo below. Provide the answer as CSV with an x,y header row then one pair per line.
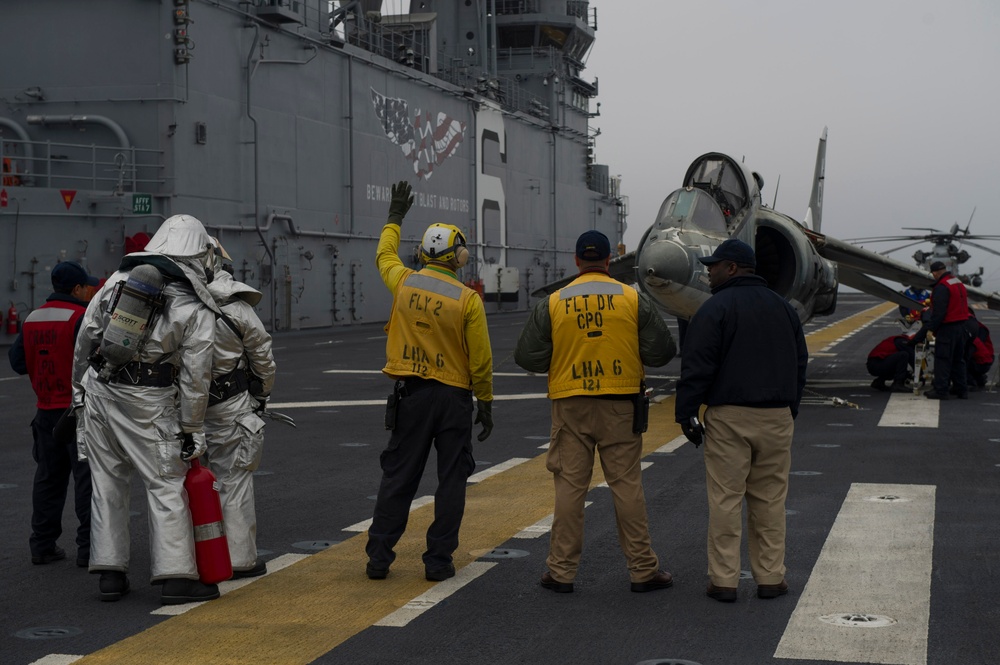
x,y
444,243
183,238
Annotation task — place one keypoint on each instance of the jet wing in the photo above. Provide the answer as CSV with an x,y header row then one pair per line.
x,y
862,282
857,267
621,268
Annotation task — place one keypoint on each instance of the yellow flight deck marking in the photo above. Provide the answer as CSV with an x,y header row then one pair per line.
x,y
298,614
822,339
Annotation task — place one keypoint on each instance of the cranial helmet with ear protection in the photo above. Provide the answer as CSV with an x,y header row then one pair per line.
x,y
444,243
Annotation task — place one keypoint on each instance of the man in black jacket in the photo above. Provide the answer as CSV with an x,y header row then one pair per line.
x,y
745,357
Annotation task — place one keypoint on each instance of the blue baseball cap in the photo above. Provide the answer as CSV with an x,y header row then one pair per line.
x,y
67,274
593,246
733,250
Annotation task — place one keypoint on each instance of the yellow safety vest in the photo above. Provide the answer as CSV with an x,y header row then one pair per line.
x,y
427,330
595,338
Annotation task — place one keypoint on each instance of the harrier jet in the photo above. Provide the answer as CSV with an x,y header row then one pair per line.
x,y
719,199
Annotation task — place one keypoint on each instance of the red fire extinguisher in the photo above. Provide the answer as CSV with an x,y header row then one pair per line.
x,y
210,546
12,320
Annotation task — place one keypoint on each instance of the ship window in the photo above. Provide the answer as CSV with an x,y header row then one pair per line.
x,y
470,35
516,36
552,36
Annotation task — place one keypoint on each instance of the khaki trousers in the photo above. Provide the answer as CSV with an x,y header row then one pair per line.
x,y
579,425
747,454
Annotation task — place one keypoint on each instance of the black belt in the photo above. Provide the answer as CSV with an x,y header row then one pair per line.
x,y
228,385
412,384
135,373
614,397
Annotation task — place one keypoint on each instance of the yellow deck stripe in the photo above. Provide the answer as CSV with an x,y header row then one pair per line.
x,y
297,614
822,338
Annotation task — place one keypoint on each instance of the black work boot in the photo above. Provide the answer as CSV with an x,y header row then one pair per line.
x,y
113,585
179,590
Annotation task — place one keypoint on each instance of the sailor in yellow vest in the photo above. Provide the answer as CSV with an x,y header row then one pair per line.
x,y
593,338
438,350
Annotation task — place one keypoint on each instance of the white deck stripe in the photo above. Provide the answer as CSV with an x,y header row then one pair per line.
x,y
541,527
513,374
642,465
672,445
56,659
363,526
876,560
909,410
281,406
434,595
273,566
497,468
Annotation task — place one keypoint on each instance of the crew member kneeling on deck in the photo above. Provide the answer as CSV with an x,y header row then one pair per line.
x,y
978,352
438,350
891,360
593,338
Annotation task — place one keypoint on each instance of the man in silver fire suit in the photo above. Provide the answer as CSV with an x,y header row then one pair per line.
x,y
146,415
242,377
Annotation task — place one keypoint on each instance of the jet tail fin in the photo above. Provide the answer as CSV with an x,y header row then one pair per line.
x,y
814,214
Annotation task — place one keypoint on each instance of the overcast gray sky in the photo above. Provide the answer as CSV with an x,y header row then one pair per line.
x,y
909,89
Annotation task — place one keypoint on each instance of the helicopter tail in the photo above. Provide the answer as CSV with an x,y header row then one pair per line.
x,y
814,214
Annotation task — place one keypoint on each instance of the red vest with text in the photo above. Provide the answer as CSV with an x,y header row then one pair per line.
x,y
958,300
49,338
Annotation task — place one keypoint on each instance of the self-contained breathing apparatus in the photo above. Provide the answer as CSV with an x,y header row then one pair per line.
x,y
134,306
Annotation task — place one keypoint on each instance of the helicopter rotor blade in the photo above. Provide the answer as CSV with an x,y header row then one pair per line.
x,y
889,251
982,247
970,220
884,239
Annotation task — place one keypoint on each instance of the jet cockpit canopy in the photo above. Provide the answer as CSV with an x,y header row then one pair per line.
x,y
692,209
730,184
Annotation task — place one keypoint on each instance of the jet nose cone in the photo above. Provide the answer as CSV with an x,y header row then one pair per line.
x,y
664,260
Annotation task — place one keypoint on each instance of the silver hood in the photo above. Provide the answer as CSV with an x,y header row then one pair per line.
x,y
180,248
224,289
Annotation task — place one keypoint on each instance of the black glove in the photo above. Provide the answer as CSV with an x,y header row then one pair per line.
x,y
261,405
484,417
64,432
402,199
693,430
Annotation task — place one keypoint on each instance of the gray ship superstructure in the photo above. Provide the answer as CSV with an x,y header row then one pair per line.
x,y
282,124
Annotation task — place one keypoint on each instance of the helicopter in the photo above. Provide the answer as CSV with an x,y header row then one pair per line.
x,y
944,250
720,198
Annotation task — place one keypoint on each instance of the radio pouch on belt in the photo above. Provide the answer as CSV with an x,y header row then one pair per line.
x,y
640,414
390,406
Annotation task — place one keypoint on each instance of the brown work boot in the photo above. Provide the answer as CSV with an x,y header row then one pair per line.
x,y
723,594
772,590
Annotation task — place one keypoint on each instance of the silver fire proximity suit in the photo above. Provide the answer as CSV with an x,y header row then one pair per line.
x,y
234,432
129,425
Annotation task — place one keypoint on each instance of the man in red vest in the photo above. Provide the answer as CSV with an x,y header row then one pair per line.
x,y
889,361
978,352
949,312
44,351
